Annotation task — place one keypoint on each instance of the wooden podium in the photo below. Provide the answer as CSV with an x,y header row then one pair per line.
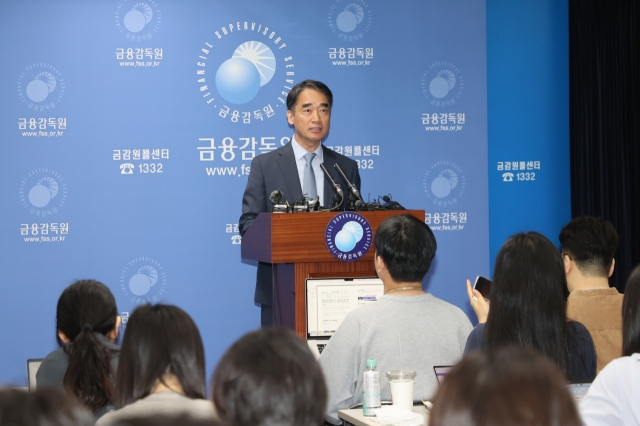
x,y
295,244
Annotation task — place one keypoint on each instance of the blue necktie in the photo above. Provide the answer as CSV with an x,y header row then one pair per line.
x,y
309,178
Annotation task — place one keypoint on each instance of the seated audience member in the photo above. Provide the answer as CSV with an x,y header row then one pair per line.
x,y
614,397
588,245
506,387
432,331
87,325
269,377
528,308
42,407
161,369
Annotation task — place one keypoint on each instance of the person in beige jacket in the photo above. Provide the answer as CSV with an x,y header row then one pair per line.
x,y
588,246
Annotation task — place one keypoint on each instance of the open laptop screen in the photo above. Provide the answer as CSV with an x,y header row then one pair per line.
x,y
329,300
441,372
578,391
33,365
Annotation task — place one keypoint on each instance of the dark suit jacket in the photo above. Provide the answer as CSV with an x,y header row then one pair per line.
x,y
277,170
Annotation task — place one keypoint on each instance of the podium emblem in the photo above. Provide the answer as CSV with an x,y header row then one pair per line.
x,y
348,236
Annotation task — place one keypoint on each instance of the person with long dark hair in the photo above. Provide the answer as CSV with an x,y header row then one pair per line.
x,y
613,397
269,377
528,308
87,324
504,387
162,367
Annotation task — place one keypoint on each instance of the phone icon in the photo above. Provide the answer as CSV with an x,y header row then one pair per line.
x,y
126,169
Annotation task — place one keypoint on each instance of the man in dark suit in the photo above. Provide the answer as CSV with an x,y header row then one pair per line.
x,y
294,169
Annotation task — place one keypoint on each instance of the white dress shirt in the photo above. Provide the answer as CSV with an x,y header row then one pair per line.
x,y
299,152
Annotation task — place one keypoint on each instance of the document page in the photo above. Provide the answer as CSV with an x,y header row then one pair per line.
x,y
332,301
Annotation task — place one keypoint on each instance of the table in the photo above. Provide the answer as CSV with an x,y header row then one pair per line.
x,y
355,416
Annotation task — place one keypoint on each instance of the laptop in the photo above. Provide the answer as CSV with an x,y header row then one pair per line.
x,y
441,372
33,365
329,300
578,391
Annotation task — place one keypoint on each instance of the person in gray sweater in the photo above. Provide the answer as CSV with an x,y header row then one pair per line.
x,y
433,332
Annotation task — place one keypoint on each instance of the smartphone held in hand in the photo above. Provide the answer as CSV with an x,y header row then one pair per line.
x,y
483,285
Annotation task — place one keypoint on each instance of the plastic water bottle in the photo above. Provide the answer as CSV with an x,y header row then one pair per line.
x,y
370,389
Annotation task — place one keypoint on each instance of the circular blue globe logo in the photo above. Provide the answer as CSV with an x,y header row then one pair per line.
x,y
442,84
43,192
444,183
350,17
139,16
138,20
40,87
142,281
350,20
348,236
251,66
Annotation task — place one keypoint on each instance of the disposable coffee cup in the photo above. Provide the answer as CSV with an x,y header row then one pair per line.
x,y
402,384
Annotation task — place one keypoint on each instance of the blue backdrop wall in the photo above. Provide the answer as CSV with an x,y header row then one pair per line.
x,y
127,129
528,86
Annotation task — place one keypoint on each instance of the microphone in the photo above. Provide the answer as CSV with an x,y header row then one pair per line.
x,y
276,197
352,188
280,204
314,205
301,205
392,205
336,187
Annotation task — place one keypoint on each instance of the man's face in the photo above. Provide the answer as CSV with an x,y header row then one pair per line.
x,y
310,118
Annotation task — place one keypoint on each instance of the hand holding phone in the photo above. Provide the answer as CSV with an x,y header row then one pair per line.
x,y
478,303
483,285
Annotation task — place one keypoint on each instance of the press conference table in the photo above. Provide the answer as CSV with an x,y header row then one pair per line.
x,y
356,418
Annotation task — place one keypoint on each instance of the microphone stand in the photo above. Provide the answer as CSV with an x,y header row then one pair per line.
x,y
336,188
355,200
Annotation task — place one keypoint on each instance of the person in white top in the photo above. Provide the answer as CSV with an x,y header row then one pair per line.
x,y
614,396
161,370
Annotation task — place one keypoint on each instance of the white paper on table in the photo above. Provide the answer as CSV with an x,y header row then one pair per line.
x,y
390,415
